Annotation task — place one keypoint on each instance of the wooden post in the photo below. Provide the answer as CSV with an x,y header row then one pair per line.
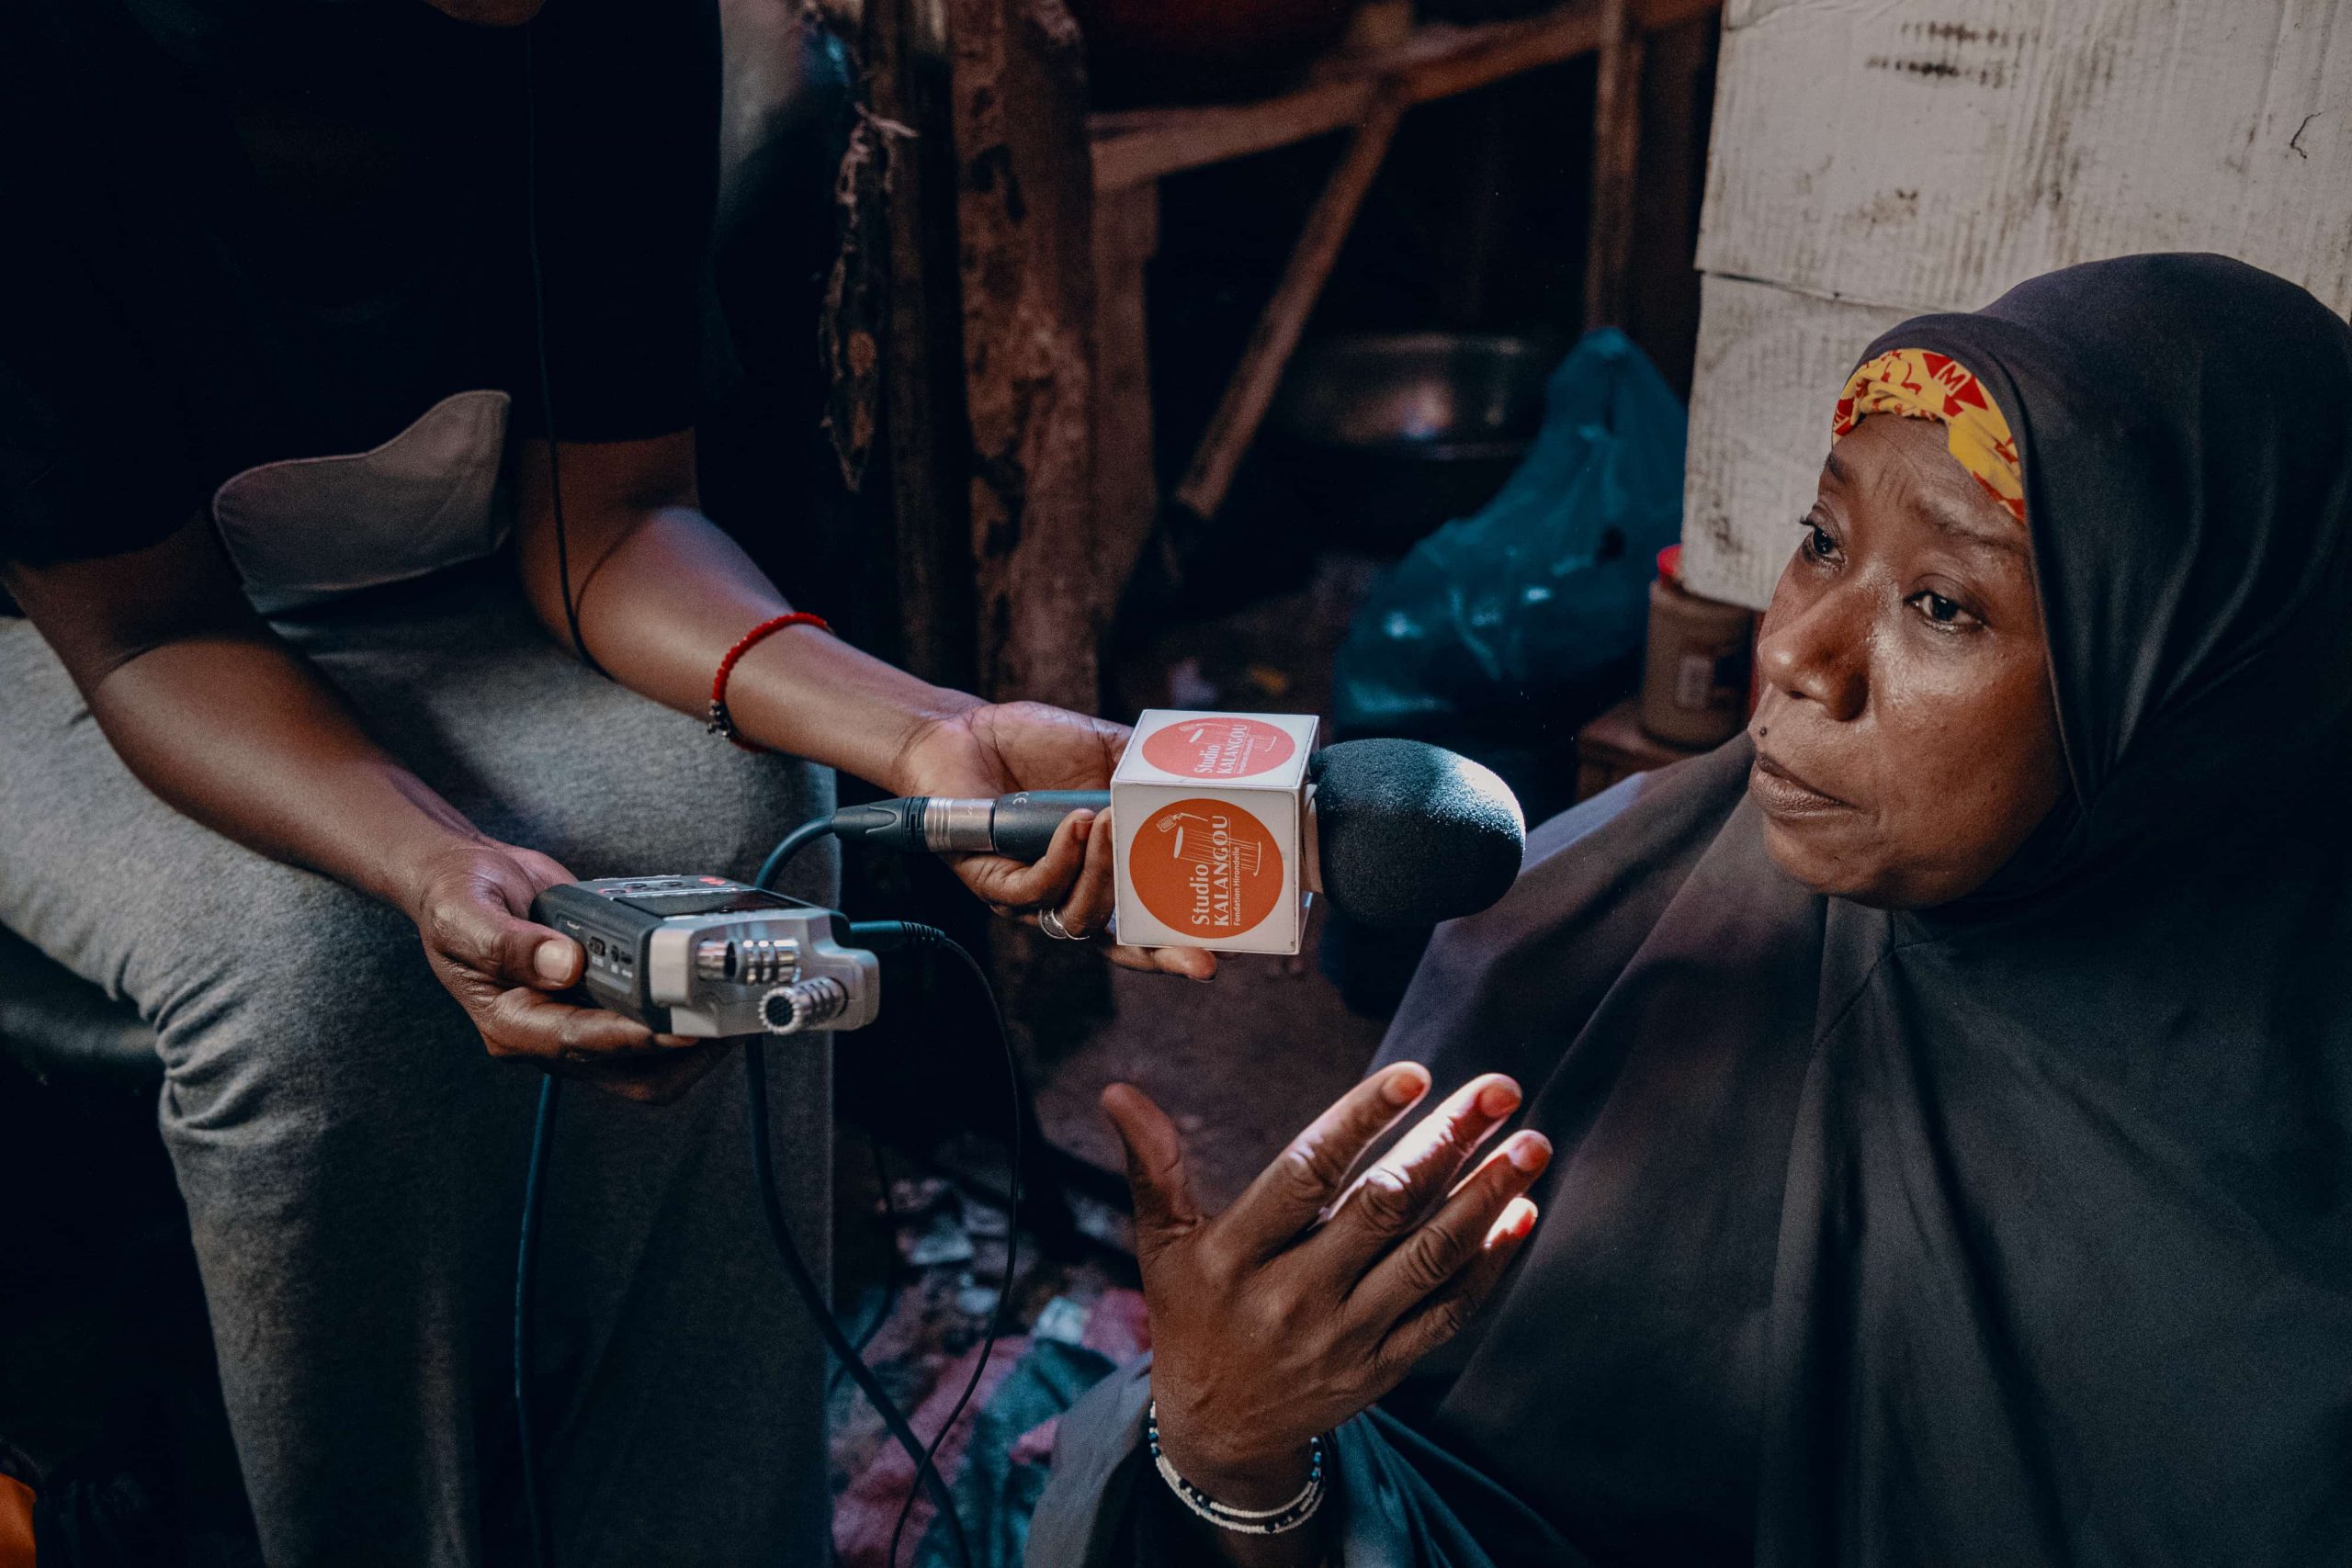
x,y
921,391
1025,229
1127,489
1616,154
1025,247
1243,407
1663,309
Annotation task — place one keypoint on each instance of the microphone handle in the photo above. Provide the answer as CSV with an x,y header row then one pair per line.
x,y
1020,826
1023,824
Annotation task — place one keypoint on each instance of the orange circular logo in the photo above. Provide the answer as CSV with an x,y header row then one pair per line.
x,y
1205,868
1214,748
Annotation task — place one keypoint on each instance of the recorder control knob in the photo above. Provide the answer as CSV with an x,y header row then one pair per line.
x,y
751,961
804,1005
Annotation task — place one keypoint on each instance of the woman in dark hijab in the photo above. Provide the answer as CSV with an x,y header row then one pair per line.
x,y
1947,1087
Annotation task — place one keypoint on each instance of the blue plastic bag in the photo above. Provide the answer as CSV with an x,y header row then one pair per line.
x,y
1534,611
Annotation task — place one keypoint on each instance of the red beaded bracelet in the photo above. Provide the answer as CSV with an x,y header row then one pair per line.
x,y
721,721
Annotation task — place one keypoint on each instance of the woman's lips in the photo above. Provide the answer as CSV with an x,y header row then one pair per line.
x,y
1783,793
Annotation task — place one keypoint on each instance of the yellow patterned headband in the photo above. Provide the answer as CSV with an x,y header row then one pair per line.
x,y
1919,384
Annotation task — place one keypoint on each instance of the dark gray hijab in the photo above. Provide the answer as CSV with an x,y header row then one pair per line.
x,y
2016,1232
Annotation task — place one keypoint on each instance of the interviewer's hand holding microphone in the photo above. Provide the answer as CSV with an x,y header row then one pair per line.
x,y
1003,747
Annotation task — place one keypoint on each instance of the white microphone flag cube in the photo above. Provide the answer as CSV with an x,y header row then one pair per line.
x,y
1209,812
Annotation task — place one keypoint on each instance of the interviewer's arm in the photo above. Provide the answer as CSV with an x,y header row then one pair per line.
x,y
662,593
226,723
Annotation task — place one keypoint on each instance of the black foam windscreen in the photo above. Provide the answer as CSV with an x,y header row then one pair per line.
x,y
1410,834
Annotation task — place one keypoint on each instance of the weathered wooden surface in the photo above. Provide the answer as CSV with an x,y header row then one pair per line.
x,y
922,390
1025,235
1974,146
1438,62
1126,489
1616,156
1663,308
890,334
850,331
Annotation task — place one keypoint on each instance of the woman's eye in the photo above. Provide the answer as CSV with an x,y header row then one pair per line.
x,y
1941,612
1820,543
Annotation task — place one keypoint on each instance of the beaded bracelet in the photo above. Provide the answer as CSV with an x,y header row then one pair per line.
x,y
721,721
1246,1521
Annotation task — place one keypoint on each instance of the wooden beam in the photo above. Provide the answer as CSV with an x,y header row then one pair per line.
x,y
922,397
1616,157
1438,62
1127,488
1663,283
1238,413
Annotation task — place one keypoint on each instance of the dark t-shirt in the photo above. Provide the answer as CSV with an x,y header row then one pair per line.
x,y
235,232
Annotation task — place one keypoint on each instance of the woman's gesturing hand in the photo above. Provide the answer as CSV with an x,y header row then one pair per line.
x,y
1303,1304
472,902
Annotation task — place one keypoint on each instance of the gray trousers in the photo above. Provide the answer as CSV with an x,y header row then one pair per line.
x,y
352,1160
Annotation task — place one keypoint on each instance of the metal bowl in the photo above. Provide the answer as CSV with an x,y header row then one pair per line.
x,y
1425,391
1390,435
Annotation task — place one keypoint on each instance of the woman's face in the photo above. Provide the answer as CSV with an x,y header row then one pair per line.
x,y
1905,738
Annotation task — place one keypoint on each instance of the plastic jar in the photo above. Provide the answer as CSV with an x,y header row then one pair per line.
x,y
1694,680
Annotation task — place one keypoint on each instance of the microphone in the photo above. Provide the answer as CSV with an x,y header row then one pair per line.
x,y
1406,833
1019,826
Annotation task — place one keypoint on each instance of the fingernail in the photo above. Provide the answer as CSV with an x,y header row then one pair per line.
x,y
1530,1152
1499,1098
1406,1085
675,1041
552,960
1519,1219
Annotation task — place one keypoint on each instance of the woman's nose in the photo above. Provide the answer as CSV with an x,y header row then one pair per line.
x,y
1820,653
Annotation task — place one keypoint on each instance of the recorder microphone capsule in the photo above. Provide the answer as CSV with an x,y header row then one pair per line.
x,y
803,1004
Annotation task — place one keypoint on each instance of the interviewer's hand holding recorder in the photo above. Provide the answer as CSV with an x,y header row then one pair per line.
x,y
472,899
223,720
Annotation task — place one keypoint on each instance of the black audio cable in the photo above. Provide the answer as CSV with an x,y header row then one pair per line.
x,y
800,838
539,335
812,1295
879,936
889,1228
797,1270
543,1122
885,936
535,1187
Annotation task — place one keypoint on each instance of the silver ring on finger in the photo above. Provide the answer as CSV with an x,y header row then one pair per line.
x,y
1050,922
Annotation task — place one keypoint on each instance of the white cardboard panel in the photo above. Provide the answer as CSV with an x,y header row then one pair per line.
x,y
1202,884
1227,749
1770,361
1932,152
